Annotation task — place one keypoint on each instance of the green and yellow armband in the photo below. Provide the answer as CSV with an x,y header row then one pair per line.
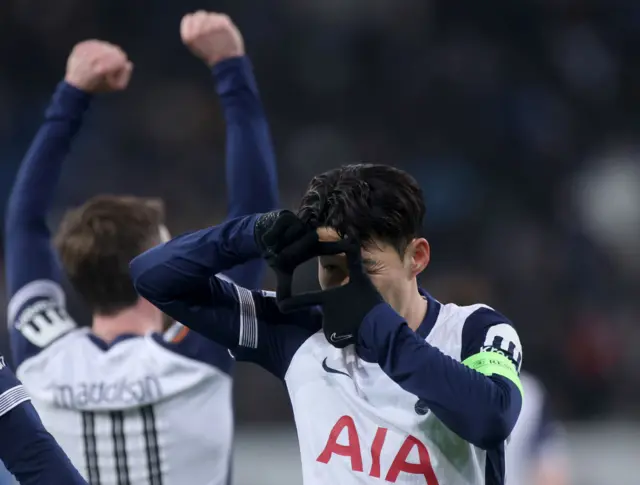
x,y
493,363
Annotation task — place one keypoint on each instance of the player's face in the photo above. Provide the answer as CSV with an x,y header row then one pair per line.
x,y
393,275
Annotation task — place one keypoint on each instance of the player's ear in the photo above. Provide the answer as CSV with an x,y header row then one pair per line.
x,y
419,254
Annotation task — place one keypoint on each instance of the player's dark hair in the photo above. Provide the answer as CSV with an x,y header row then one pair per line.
x,y
366,202
96,242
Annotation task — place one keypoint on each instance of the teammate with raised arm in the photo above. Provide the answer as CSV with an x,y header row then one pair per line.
x,y
387,384
128,404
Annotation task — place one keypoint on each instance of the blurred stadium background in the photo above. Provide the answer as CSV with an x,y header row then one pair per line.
x,y
520,119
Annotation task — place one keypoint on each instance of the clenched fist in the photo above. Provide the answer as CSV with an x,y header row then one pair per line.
x,y
95,66
212,37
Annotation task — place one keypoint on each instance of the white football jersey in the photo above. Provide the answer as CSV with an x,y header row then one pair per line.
x,y
355,424
398,407
152,409
537,439
364,427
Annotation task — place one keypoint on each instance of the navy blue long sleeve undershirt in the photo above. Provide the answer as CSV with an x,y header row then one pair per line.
x,y
481,409
252,178
179,278
250,170
176,276
28,252
28,451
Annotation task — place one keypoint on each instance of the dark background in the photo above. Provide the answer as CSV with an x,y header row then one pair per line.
x,y
519,119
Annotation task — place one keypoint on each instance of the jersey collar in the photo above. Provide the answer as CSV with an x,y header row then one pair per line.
x,y
105,346
433,310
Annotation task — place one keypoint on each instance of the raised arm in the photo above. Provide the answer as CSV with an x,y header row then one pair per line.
x,y
180,278
28,451
36,310
250,161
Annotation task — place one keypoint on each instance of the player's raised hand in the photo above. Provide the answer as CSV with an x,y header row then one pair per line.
x,y
95,66
211,36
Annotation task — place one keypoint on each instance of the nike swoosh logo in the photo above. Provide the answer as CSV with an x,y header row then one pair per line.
x,y
331,370
339,338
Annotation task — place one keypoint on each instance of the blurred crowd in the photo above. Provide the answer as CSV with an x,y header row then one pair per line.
x,y
519,119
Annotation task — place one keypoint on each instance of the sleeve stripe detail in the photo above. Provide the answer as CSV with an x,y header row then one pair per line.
x,y
490,363
12,398
176,333
224,277
37,288
248,319
173,331
180,336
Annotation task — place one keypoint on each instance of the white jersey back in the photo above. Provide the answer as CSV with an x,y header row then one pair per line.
x,y
152,409
134,413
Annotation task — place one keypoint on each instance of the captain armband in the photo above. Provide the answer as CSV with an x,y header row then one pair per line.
x,y
494,363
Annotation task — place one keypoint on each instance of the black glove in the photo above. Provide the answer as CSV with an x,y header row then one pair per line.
x,y
344,307
282,238
275,230
287,242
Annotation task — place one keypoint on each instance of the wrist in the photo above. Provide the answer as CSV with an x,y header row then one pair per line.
x,y
68,99
234,77
227,61
75,84
250,244
262,224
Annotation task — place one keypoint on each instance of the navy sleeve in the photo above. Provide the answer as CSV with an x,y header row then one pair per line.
x,y
37,314
28,451
252,180
181,278
481,409
252,187
6,478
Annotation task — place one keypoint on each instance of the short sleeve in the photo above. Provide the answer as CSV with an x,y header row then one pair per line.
x,y
37,317
491,345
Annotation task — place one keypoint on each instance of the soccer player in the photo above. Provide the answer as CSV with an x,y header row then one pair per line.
x,y
128,404
386,383
26,448
537,451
